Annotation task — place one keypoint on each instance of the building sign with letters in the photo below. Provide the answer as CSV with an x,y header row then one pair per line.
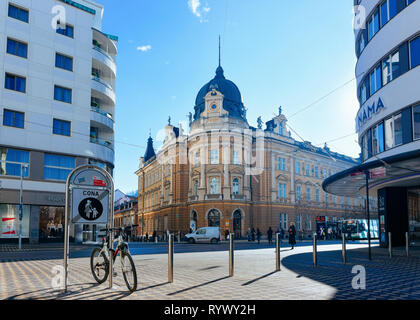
x,y
367,112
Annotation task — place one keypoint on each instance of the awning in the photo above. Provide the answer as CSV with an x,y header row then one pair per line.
x,y
401,170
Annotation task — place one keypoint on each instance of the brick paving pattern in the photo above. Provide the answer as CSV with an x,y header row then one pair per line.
x,y
204,276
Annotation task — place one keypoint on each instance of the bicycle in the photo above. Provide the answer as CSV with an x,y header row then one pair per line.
x,y
99,260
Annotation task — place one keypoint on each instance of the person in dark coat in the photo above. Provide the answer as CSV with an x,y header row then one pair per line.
x,y
270,235
258,235
227,234
292,235
253,234
154,236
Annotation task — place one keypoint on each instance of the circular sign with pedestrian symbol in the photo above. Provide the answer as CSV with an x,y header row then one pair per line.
x,y
90,209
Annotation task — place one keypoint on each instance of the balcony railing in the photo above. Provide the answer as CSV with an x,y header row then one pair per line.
x,y
98,110
97,48
238,197
95,77
102,142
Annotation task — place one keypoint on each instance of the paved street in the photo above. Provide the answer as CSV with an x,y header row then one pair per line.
x,y
201,272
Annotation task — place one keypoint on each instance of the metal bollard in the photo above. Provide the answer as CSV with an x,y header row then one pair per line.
x,y
390,244
315,253
344,252
171,258
231,255
278,262
407,244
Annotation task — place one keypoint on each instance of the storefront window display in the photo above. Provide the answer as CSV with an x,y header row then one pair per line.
x,y
9,221
51,223
414,215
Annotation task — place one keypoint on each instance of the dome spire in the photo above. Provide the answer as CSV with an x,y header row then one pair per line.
x,y
219,52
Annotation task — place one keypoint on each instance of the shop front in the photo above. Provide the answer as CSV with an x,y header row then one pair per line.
x,y
395,182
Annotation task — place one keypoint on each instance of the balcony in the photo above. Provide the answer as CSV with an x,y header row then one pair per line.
x,y
213,197
102,119
103,89
104,58
238,197
102,142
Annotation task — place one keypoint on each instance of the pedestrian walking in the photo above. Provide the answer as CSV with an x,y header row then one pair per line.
x,y
248,234
270,235
258,235
226,234
292,235
253,234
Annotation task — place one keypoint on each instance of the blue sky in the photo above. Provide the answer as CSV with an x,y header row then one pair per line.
x,y
278,52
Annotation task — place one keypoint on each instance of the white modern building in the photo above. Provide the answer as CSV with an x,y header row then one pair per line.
x,y
388,121
57,109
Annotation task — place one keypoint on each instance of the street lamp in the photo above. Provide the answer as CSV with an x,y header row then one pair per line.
x,y
22,165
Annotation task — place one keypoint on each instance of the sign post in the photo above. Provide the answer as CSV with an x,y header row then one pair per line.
x,y
89,200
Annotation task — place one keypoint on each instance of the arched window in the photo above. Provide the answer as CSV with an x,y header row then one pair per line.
x,y
235,186
214,186
214,218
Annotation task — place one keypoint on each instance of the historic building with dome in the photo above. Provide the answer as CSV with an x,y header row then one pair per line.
x,y
227,173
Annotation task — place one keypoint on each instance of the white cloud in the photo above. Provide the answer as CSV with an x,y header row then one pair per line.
x,y
144,48
198,9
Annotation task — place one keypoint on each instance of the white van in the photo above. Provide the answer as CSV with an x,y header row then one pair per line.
x,y
206,234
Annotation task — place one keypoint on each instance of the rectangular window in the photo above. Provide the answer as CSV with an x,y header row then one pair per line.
x,y
62,94
281,164
66,30
398,131
214,157
316,172
307,170
392,8
386,71
15,83
298,192
18,13
416,122
415,52
389,134
61,127
373,25
13,118
94,132
63,62
236,157
374,140
396,69
297,167
308,194
282,191
384,13
17,48
57,167
381,140
12,161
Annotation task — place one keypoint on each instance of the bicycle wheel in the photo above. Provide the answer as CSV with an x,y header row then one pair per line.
x,y
99,265
129,271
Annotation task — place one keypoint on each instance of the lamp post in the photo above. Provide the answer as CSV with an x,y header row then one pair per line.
x,y
367,173
22,165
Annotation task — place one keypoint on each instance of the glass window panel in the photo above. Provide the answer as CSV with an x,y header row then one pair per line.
x,y
415,52
378,78
396,65
398,130
384,13
381,141
416,120
375,140
386,71
389,134
392,8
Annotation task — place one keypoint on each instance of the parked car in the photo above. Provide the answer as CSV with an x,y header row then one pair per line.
x,y
206,234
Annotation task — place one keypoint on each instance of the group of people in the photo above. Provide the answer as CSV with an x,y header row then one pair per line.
x,y
252,234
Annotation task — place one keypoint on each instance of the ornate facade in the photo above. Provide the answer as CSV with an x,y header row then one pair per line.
x,y
226,173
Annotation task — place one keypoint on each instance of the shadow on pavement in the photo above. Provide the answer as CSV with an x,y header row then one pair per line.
x,y
83,292
385,279
197,286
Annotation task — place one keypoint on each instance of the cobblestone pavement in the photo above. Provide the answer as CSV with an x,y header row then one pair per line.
x,y
204,275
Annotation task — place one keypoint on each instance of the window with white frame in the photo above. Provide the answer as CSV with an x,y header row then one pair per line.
x,y
299,222
214,186
214,156
282,190
235,186
236,159
283,221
